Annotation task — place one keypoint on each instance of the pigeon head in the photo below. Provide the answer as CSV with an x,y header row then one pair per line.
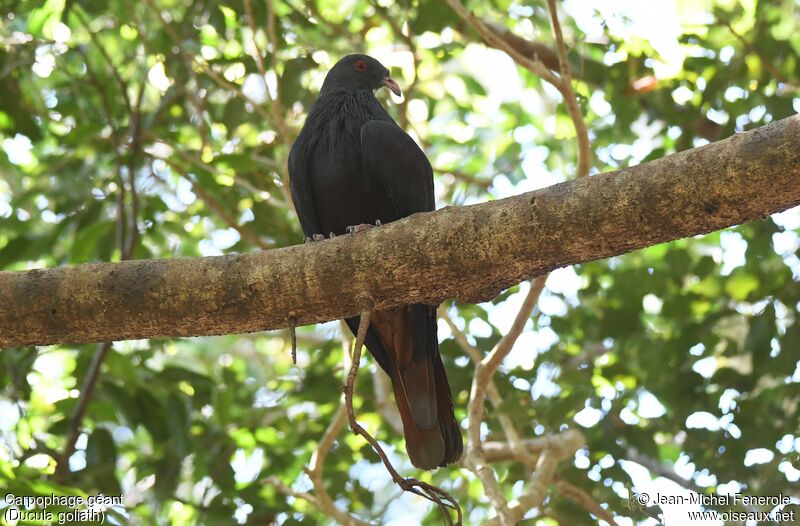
x,y
359,72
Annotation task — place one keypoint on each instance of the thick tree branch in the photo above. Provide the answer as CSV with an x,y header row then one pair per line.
x,y
470,253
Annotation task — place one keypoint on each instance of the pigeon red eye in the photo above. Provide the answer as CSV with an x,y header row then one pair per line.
x,y
361,66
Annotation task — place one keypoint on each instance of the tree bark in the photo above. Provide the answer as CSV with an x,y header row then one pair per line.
x,y
470,253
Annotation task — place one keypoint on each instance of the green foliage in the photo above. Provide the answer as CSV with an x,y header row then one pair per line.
x,y
147,130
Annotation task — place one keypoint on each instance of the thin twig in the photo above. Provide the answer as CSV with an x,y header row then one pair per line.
x,y
493,393
474,458
584,150
562,84
225,84
251,23
767,64
14,66
433,493
293,337
123,86
116,144
274,45
535,492
586,501
134,158
467,178
493,360
89,382
533,50
185,90
204,67
407,37
279,485
275,103
211,202
127,243
277,114
491,38
194,158
321,499
315,469
555,449
496,451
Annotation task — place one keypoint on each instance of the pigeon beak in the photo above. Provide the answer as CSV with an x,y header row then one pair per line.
x,y
390,83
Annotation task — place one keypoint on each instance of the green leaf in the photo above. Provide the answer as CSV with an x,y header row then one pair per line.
x,y
741,284
89,239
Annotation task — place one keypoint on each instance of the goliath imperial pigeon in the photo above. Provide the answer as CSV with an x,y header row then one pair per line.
x,y
353,165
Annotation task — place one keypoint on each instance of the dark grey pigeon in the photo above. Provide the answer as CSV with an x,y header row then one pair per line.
x,y
353,165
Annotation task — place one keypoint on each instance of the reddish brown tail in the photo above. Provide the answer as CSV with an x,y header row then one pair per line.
x,y
404,343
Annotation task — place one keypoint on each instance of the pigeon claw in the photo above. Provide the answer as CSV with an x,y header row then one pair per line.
x,y
355,229
315,237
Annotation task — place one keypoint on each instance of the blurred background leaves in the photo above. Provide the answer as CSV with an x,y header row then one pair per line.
x,y
161,128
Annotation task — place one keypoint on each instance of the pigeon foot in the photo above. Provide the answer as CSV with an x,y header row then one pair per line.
x,y
315,237
363,227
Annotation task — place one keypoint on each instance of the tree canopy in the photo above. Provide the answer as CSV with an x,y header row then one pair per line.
x,y
161,129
